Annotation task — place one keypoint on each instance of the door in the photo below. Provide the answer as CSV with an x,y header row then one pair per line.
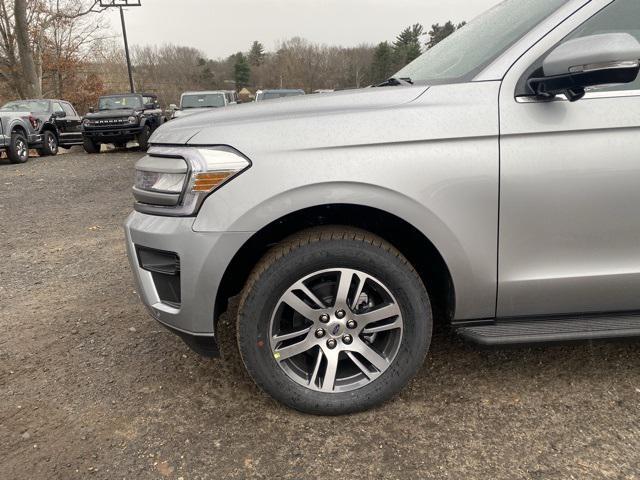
x,y
69,126
569,235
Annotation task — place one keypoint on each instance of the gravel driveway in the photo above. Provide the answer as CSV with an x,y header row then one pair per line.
x,y
91,387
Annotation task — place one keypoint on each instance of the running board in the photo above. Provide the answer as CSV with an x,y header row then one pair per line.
x,y
552,330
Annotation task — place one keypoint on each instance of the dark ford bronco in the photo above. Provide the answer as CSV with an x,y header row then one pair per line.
x,y
120,119
55,123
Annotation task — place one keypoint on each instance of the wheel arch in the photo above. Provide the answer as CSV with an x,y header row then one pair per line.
x,y
409,240
17,127
50,127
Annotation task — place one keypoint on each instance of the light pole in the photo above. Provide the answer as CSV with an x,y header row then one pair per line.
x,y
121,4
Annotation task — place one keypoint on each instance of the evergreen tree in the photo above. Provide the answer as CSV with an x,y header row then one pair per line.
x,y
241,70
383,63
440,32
256,54
407,46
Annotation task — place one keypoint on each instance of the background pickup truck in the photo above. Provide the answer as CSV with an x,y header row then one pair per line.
x,y
18,134
56,121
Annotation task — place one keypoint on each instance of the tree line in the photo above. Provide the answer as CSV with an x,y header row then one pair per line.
x,y
65,49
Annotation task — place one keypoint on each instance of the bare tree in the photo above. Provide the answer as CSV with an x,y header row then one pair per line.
x,y
28,30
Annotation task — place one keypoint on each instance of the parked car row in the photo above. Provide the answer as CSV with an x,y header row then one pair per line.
x,y
48,124
44,125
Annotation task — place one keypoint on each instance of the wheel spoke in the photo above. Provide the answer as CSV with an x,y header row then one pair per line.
x,y
383,313
344,284
298,305
361,281
314,375
368,373
397,323
303,288
284,353
378,361
289,336
329,378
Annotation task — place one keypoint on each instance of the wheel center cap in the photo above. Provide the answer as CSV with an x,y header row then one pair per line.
x,y
336,328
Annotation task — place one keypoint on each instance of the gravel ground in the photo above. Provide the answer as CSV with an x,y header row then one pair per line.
x,y
91,387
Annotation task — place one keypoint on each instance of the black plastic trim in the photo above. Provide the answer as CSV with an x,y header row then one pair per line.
x,y
204,346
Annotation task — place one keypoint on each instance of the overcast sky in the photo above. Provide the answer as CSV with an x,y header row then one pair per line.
x,y
221,28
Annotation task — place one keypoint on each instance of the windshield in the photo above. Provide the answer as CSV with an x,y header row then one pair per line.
x,y
118,103
204,100
32,106
467,51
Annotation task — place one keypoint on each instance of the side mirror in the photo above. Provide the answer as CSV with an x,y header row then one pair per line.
x,y
149,106
610,58
92,109
59,114
173,106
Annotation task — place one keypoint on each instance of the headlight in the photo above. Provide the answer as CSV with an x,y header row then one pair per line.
x,y
160,182
133,119
176,180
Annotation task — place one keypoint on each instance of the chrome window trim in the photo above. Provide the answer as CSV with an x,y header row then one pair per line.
x,y
588,96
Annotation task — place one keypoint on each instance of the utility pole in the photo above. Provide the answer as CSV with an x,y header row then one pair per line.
x,y
126,50
121,4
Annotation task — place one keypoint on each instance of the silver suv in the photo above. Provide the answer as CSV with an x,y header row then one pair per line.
x,y
491,185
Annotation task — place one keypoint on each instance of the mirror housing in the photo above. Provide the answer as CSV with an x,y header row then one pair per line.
x,y
92,109
59,114
173,106
574,66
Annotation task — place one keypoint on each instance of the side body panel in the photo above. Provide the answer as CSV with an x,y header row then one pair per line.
x,y
70,126
432,161
570,202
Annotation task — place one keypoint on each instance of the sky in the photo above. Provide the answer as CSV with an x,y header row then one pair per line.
x,y
220,29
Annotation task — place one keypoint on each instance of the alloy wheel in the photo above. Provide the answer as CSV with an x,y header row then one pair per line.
x,y
21,148
336,330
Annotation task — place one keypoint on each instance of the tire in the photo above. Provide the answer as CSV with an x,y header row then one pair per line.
x,y
322,257
18,148
143,138
90,146
49,144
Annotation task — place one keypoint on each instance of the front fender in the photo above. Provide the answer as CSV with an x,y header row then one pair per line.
x,y
219,215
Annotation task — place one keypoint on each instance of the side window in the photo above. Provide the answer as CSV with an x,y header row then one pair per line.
x,y
620,16
69,110
149,100
57,108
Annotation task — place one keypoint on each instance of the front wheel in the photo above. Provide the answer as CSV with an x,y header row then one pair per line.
x,y
143,138
333,320
18,148
49,145
90,146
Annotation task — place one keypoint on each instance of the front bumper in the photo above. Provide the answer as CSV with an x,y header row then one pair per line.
x,y
203,259
35,140
112,135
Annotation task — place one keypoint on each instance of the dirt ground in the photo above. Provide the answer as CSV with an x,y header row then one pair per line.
x,y
91,387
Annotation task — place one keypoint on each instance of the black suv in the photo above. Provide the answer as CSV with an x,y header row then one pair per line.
x,y
56,123
120,119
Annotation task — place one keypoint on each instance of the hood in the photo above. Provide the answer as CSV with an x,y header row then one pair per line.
x,y
7,113
190,111
197,128
125,112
